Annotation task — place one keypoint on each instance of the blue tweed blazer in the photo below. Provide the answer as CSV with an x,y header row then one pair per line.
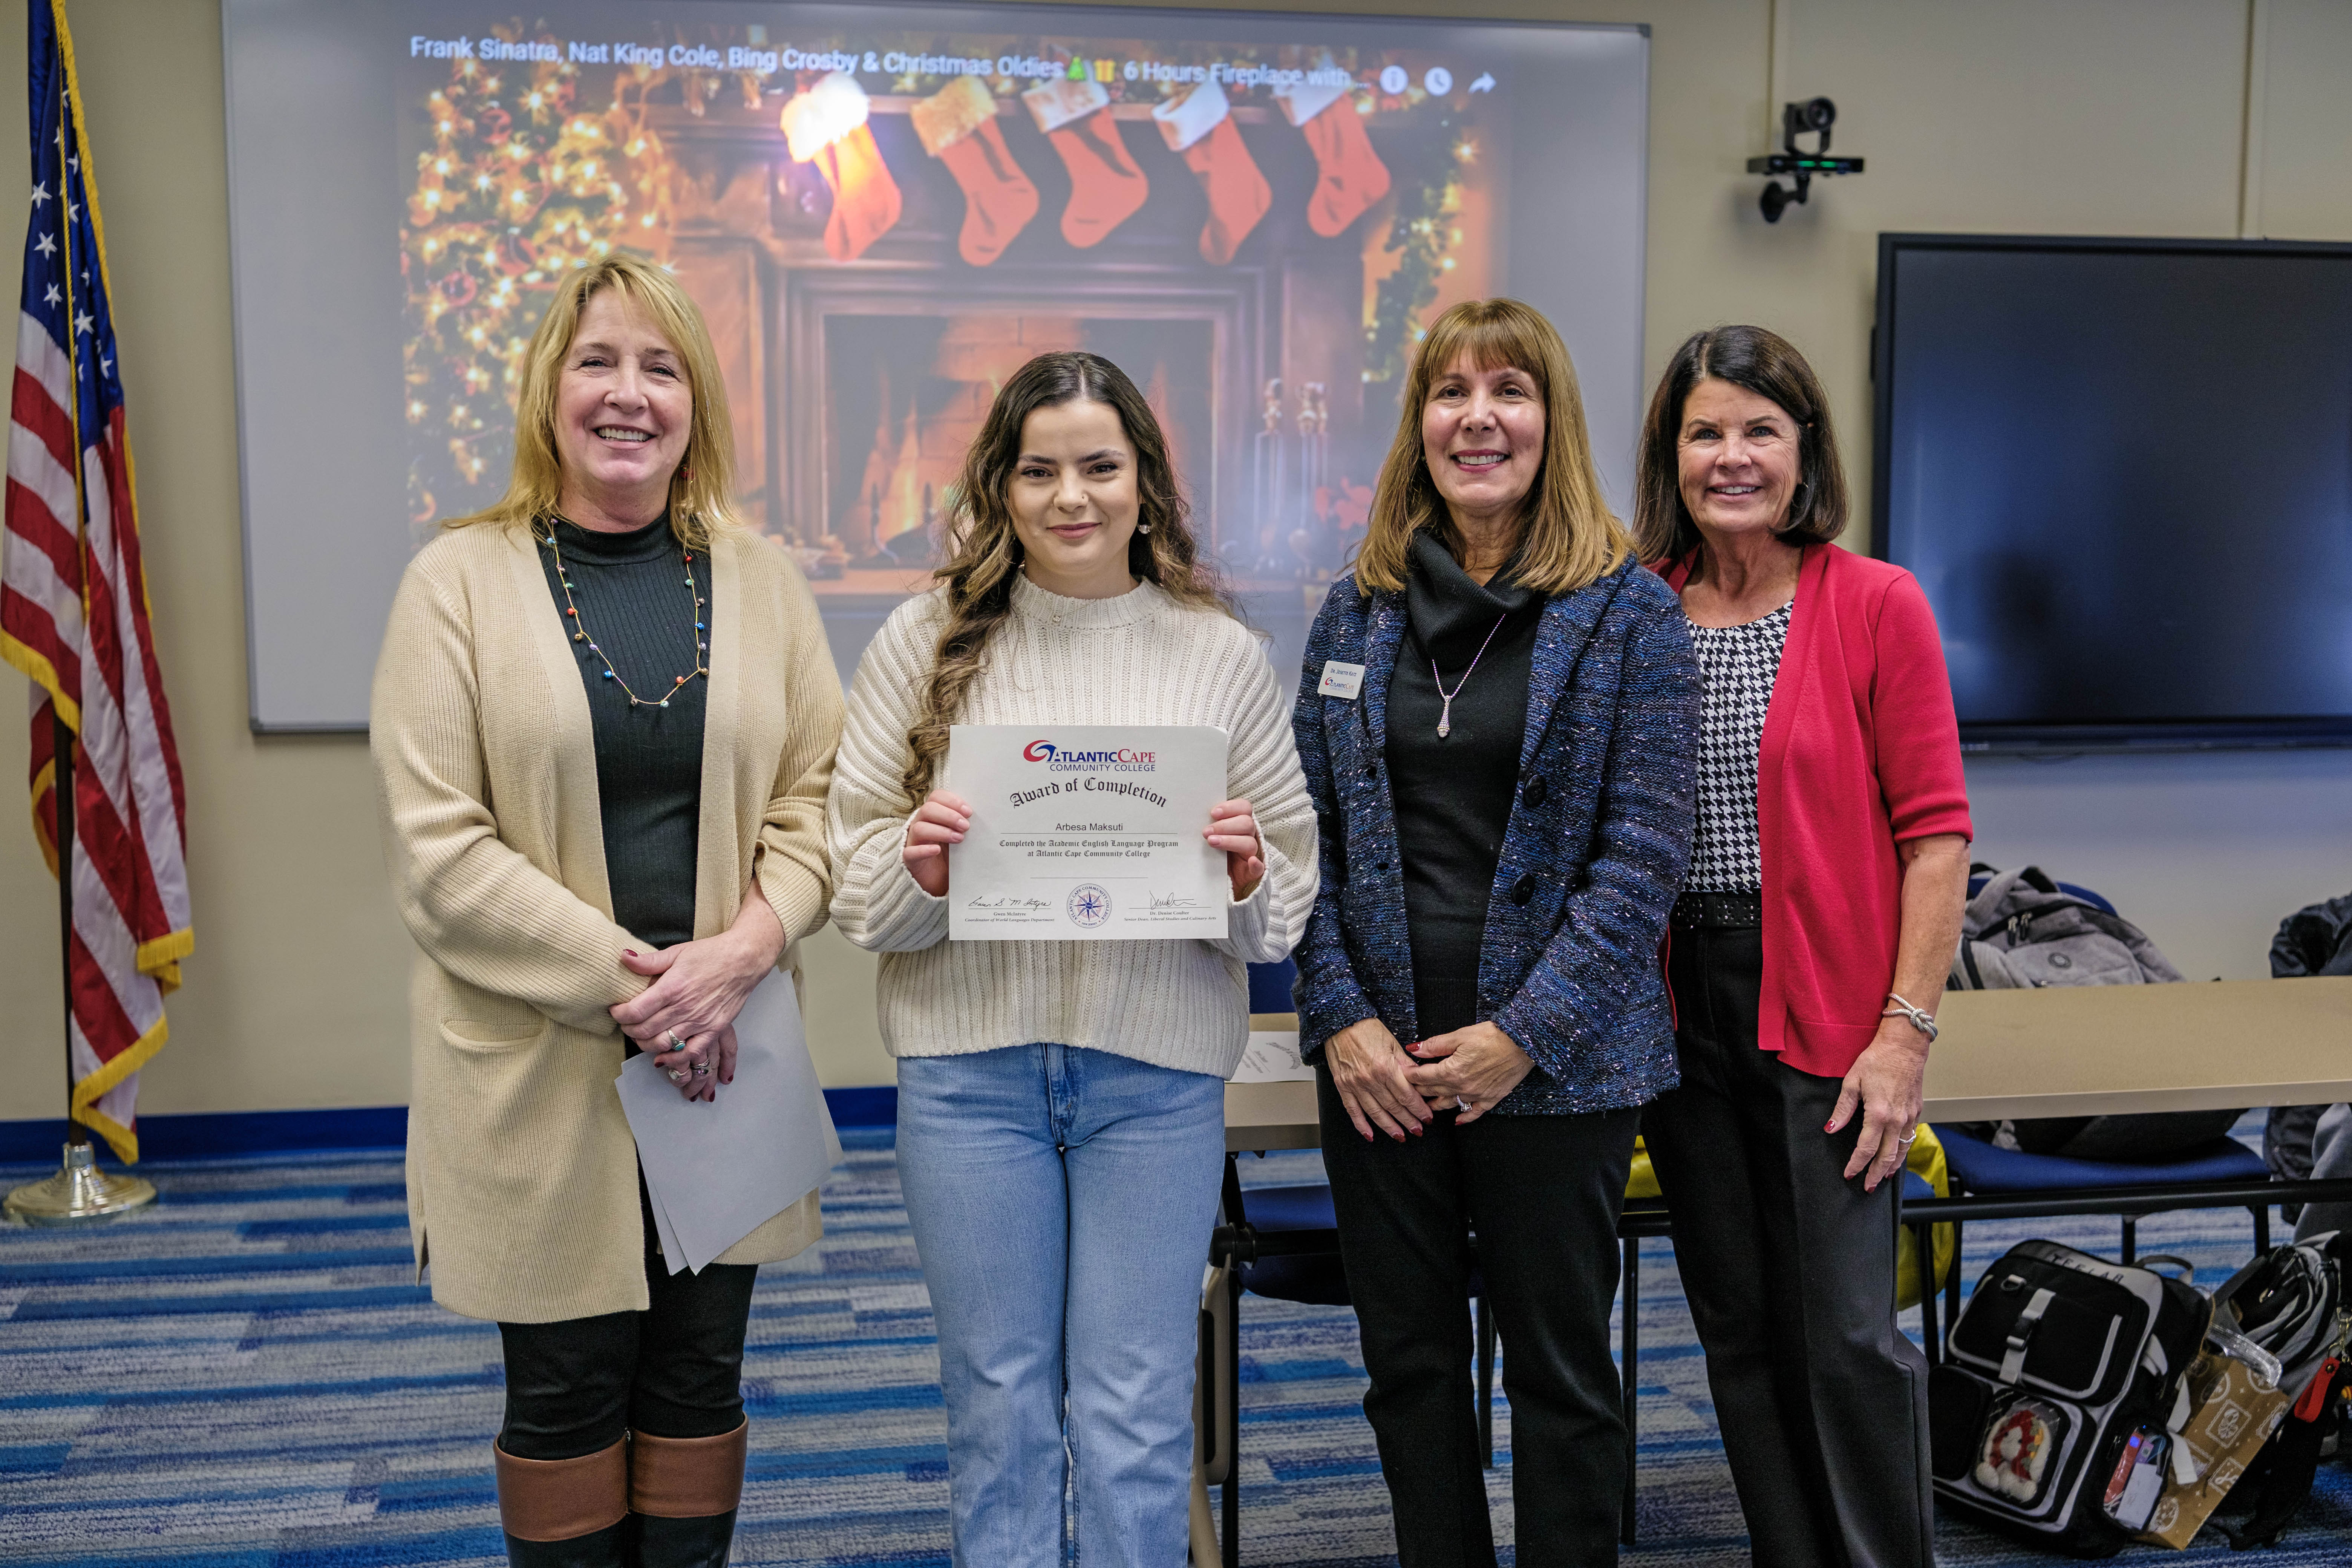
x,y
1600,837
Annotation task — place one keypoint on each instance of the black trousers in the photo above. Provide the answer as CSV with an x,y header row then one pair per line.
x,y
1543,1194
1789,1271
576,1386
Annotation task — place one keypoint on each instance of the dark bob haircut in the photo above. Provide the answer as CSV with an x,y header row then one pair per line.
x,y
1768,366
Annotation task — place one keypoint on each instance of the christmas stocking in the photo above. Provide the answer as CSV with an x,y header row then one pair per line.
x,y
1352,176
1106,186
1200,126
826,125
958,127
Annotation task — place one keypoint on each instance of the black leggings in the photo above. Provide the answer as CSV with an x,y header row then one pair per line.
x,y
575,1387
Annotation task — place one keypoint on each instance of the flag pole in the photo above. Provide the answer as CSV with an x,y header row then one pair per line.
x,y
62,798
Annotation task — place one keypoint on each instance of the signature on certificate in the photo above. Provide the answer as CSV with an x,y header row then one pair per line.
x,y
1165,901
1003,901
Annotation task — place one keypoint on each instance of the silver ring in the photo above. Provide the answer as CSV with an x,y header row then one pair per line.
x,y
677,1075
702,1069
675,1043
1460,1103
1907,1142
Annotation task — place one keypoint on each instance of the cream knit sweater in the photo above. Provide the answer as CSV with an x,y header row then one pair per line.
x,y
1139,658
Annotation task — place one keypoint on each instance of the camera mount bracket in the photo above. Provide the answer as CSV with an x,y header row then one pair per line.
x,y
1815,116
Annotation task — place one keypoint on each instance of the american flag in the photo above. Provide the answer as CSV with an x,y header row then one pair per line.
x,y
74,617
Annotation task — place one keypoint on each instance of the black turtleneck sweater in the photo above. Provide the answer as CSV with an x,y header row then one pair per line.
x,y
1453,795
631,592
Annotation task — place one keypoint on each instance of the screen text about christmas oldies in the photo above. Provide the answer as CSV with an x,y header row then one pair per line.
x,y
891,62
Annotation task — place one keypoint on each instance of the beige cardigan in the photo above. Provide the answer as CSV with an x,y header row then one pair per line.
x,y
522,1177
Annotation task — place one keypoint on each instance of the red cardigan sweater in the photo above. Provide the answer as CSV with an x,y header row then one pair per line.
x,y
1860,752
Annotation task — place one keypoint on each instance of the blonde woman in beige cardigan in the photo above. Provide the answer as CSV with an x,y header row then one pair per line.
x,y
603,725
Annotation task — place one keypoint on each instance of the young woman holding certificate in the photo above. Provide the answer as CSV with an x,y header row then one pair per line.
x,y
1061,1120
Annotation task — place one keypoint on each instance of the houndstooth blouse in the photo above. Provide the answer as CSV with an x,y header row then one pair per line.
x,y
1737,666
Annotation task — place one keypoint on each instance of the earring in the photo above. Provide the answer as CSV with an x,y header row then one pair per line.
x,y
1143,528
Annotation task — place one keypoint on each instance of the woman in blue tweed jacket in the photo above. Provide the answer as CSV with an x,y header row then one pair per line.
x,y
1498,719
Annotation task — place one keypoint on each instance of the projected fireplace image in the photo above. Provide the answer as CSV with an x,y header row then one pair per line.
x,y
869,463
905,395
1273,367
876,255
883,211
864,328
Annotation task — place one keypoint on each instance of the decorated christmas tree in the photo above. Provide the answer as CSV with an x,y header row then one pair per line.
x,y
519,182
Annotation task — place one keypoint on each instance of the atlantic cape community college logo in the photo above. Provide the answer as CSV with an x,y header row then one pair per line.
x,y
1088,905
1125,760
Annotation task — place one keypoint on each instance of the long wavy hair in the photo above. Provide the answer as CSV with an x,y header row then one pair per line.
x,y
978,576
701,489
1568,536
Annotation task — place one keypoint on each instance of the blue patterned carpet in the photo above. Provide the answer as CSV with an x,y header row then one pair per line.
x,y
244,1377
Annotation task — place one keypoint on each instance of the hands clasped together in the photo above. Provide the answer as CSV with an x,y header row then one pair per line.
x,y
1385,1085
943,819
687,1017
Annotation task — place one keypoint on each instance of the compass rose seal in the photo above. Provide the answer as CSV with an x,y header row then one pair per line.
x,y
1088,905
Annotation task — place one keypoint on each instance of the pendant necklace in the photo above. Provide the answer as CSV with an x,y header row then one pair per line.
x,y
1445,713
580,632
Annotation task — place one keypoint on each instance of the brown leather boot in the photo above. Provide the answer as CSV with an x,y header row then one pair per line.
x,y
683,1493
564,1513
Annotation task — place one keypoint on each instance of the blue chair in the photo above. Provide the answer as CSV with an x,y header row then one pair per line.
x,y
2047,1184
1982,1170
1269,986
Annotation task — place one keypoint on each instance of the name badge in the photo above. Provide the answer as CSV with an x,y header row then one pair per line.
x,y
1343,680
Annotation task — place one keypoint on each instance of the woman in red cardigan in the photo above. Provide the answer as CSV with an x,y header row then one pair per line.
x,y
1806,955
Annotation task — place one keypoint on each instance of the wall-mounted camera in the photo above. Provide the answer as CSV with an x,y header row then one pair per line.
x,y
1814,117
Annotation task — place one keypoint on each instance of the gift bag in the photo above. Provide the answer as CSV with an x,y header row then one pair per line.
x,y
2224,1415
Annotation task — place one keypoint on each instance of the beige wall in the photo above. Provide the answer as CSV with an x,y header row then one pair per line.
x,y
2164,117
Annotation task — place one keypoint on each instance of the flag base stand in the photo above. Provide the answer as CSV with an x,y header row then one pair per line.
x,y
78,1192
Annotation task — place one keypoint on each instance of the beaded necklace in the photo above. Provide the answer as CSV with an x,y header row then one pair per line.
x,y
580,631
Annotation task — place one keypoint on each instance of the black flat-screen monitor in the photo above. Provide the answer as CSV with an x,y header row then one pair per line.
x,y
2122,470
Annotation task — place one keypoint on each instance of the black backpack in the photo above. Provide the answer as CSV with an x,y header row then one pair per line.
x,y
2056,1363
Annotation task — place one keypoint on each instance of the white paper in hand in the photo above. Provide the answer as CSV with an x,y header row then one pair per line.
x,y
1272,1056
717,1172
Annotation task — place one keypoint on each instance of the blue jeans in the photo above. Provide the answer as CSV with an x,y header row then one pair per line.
x,y
1062,1200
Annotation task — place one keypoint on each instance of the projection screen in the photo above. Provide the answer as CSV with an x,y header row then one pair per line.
x,y
882,211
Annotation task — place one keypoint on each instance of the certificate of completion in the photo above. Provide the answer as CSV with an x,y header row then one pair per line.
x,y
1087,832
